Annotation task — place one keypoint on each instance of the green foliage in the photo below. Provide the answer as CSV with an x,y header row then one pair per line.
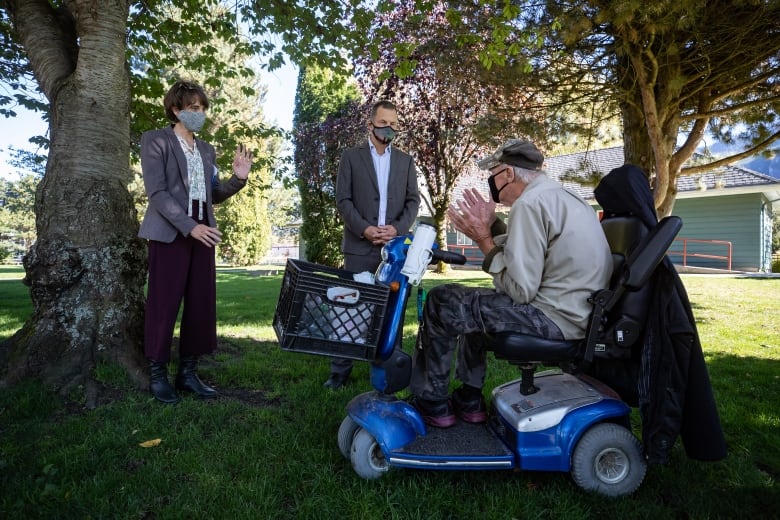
x,y
328,118
168,41
30,161
17,215
671,68
246,229
284,212
321,93
321,228
205,42
218,57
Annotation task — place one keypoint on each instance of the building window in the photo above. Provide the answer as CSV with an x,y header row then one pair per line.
x,y
462,240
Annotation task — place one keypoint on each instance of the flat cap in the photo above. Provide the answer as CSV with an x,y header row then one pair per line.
x,y
514,152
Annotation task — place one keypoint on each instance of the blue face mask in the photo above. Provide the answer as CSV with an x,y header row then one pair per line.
x,y
192,121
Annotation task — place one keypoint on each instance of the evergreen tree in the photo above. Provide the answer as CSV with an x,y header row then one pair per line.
x,y
327,119
17,216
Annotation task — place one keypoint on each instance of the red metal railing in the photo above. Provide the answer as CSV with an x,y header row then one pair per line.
x,y
686,255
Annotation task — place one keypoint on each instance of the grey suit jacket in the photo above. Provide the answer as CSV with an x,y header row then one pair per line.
x,y
357,195
166,181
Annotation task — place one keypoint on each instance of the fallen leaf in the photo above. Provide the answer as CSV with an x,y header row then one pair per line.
x,y
150,444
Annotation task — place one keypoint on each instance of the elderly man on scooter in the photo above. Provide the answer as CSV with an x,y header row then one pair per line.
x,y
545,263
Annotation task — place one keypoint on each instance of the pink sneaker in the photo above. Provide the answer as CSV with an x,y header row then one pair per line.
x,y
435,413
469,410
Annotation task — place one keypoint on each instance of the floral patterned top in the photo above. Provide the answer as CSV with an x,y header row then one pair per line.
x,y
195,176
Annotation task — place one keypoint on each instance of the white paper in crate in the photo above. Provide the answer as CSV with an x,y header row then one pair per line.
x,y
350,323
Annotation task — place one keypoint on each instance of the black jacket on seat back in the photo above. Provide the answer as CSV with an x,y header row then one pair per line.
x,y
667,377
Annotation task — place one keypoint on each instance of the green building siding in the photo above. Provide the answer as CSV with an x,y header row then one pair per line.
x,y
731,218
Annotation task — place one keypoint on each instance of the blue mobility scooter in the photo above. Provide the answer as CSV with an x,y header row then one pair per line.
x,y
553,420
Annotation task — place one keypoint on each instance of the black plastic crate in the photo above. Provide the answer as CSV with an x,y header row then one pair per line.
x,y
346,324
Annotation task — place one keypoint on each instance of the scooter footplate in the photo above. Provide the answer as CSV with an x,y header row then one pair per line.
x,y
463,446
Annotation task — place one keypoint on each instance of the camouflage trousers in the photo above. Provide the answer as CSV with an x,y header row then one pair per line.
x,y
456,318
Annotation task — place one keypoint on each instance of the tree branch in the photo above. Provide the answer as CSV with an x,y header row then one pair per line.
x,y
49,37
731,159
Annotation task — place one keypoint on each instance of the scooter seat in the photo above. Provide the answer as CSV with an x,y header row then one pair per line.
x,y
524,348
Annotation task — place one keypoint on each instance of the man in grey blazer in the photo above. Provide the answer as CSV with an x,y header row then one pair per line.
x,y
378,199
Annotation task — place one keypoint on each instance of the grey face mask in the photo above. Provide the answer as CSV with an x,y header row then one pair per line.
x,y
384,134
192,121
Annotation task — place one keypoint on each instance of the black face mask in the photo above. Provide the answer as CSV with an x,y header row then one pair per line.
x,y
384,134
494,191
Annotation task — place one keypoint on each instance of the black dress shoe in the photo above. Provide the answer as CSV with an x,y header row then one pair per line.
x,y
336,381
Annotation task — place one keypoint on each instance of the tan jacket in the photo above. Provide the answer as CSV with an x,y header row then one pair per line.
x,y
553,256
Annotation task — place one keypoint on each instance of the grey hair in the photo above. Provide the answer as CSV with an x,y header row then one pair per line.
x,y
526,175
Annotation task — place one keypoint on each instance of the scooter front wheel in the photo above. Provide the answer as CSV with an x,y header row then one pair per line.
x,y
367,458
608,459
346,435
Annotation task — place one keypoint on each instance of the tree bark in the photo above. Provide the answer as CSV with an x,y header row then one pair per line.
x,y
440,223
649,114
87,269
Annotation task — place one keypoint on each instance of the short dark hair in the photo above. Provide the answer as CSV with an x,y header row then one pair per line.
x,y
181,94
382,104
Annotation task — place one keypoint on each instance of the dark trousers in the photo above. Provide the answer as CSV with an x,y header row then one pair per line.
x,y
356,264
184,270
456,317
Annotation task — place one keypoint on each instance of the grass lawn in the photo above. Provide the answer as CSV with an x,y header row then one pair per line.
x,y
267,448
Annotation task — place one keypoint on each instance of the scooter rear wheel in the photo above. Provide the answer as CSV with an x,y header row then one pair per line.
x,y
608,459
367,458
346,435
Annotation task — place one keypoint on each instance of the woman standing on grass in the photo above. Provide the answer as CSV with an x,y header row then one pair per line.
x,y
181,181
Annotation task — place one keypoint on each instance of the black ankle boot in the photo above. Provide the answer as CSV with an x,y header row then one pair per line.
x,y
160,387
187,379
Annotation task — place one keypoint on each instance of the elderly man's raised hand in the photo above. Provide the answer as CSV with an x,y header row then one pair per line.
x,y
473,215
474,201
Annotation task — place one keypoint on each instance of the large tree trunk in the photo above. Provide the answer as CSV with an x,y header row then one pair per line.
x,y
639,149
651,116
86,271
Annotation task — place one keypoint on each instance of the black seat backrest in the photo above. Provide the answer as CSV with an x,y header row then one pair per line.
x,y
632,283
623,235
624,323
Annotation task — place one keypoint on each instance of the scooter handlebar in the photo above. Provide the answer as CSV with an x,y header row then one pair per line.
x,y
448,257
